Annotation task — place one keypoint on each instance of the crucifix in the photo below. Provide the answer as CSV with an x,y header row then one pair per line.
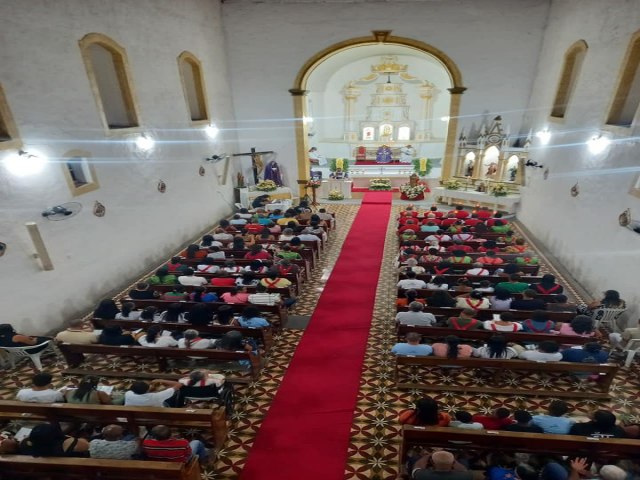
x,y
255,161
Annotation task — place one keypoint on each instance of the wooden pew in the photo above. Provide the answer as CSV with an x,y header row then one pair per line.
x,y
213,420
463,267
263,336
503,441
452,278
26,467
599,390
284,292
296,279
275,310
75,355
487,314
426,293
484,335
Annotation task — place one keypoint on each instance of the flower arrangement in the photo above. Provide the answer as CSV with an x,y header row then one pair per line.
x,y
336,195
379,184
266,186
412,191
313,184
453,184
422,166
499,190
335,163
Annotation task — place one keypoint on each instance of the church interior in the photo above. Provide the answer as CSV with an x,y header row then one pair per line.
x,y
406,145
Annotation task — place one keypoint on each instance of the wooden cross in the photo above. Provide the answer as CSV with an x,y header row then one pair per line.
x,y
254,163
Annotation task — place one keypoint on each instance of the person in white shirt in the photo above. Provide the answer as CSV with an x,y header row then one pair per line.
x,y
504,323
415,316
140,396
407,154
315,158
411,264
237,220
262,297
207,265
478,270
244,213
41,390
439,236
190,279
411,282
307,236
438,282
76,334
464,236
286,235
221,235
156,338
475,300
465,420
547,351
216,254
496,347
193,340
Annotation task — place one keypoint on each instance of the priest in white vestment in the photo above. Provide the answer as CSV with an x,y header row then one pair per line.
x,y
407,154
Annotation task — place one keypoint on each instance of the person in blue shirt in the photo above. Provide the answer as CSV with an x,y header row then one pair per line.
x,y
590,353
412,347
538,323
555,421
251,318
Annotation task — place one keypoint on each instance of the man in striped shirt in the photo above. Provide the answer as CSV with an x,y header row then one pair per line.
x,y
163,447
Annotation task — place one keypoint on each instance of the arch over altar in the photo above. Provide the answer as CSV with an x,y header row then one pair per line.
x,y
386,120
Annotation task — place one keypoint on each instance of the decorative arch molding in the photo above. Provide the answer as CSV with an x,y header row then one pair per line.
x,y
194,87
573,59
123,75
299,91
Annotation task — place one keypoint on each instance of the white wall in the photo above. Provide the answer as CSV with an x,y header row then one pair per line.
x,y
583,231
494,44
47,88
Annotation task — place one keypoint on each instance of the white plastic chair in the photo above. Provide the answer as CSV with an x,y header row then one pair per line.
x,y
631,348
607,316
15,353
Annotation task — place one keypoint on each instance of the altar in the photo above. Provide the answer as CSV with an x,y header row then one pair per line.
x,y
331,184
472,198
248,195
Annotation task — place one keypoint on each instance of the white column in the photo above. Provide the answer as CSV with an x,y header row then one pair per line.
x,y
425,121
351,93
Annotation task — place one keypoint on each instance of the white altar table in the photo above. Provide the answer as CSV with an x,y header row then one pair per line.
x,y
247,195
330,184
467,197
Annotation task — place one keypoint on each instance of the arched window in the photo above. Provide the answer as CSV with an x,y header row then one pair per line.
x,y
8,131
108,71
624,105
573,60
193,86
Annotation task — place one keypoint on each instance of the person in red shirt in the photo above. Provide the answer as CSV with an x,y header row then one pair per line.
x,y
459,245
435,211
257,253
473,221
411,224
447,222
484,213
490,222
409,212
222,279
460,212
174,264
253,227
163,447
500,419
490,258
489,246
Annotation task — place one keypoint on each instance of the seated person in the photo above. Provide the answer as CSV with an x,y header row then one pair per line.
x,y
602,425
76,334
451,348
238,221
501,418
223,279
412,346
485,287
272,280
611,299
514,285
411,264
235,295
561,304
464,321
162,277
262,296
415,316
247,279
439,236
260,201
106,310
464,419
499,226
501,300
257,266
443,465
47,440
440,299
200,294
620,341
256,252
161,446
458,245
478,270
459,256
555,421
411,282
538,323
408,296
192,339
208,241
523,423
437,282
41,390
504,323
409,224
581,325
214,253
200,314
463,285
496,347
286,252
190,279
490,258
429,227
547,351
431,256
175,265
464,236
176,294
589,353
87,393
251,318
518,246
202,378
114,335
475,301
547,286
489,246
173,314
529,301
426,413
193,252
154,394
408,235
527,259
155,337
142,292
112,444
128,312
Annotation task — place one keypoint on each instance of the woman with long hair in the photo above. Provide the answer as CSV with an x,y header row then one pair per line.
x,y
173,314
475,300
441,298
425,413
547,286
451,348
128,312
496,347
87,392
235,295
407,297
438,282
114,335
106,310
200,314
149,314
224,315
154,338
47,440
238,243
193,252
580,326
192,339
248,279
501,299
10,338
610,299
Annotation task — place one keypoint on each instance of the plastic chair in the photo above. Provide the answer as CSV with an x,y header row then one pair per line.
x,y
610,316
631,348
15,353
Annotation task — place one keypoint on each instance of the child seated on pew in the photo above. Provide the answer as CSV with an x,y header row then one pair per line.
x,y
464,420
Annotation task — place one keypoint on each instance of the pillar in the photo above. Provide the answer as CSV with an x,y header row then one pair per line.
x,y
302,146
448,161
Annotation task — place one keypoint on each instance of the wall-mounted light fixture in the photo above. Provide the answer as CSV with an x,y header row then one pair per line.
x,y
23,163
598,144
212,131
145,143
544,136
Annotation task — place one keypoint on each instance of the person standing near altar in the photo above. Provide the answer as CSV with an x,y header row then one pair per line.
x,y
318,162
383,154
407,154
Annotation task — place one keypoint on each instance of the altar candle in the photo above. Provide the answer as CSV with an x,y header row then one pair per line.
x,y
423,164
339,163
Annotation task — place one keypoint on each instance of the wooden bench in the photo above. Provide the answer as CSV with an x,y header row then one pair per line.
x,y
296,279
213,420
487,314
463,267
75,355
600,449
484,335
599,390
284,292
426,293
263,336
275,310
23,467
452,278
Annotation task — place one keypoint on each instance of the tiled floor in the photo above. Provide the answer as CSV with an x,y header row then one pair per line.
x,y
373,451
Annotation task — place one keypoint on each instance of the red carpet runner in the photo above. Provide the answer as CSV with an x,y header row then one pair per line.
x,y
306,431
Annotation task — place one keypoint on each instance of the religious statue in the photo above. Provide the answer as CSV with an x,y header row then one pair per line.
x,y
386,133
491,170
339,174
407,154
513,171
272,172
469,169
414,179
383,154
